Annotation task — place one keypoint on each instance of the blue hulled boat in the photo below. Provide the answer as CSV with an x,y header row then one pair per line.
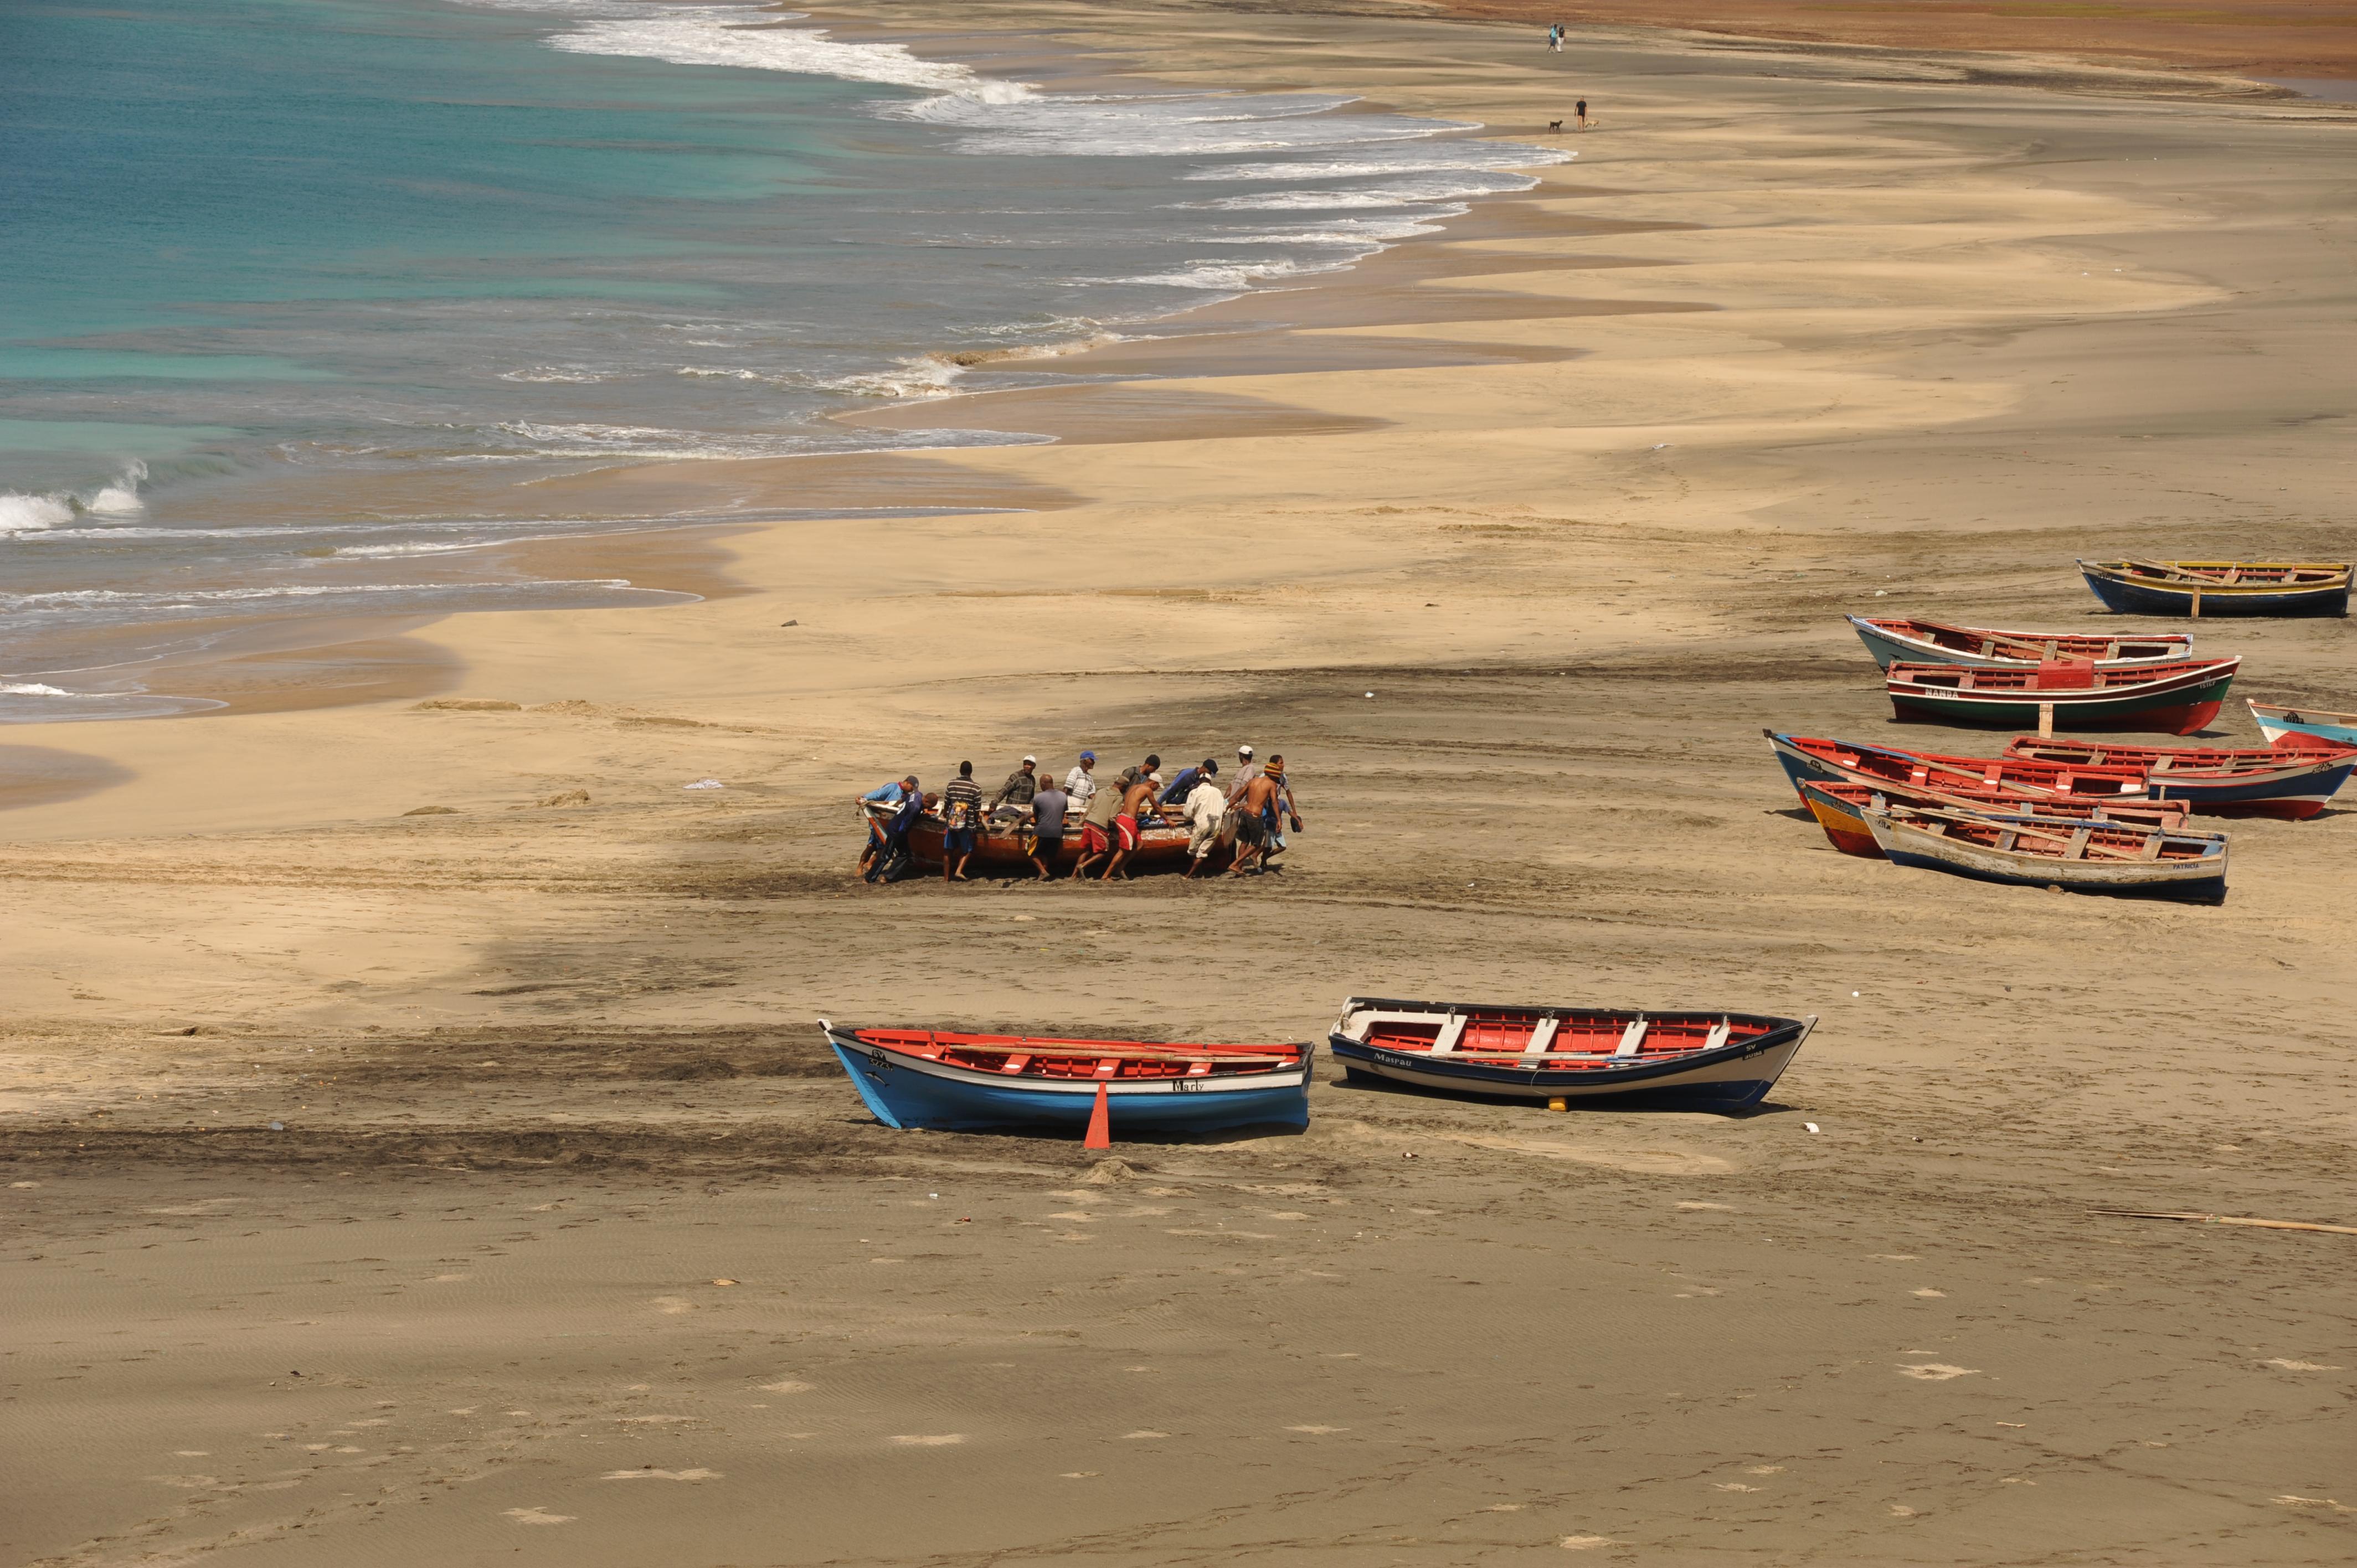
x,y
962,1083
2220,587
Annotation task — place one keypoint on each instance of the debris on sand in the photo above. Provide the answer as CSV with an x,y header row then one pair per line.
x,y
432,812
1106,1173
567,798
466,705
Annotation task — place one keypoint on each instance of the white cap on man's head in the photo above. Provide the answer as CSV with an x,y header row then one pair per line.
x,y
1243,751
1032,760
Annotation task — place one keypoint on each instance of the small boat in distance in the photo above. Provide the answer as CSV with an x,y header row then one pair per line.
x,y
2291,782
961,1084
2220,587
2309,724
1804,756
2076,857
1840,809
1688,1059
1910,641
2171,699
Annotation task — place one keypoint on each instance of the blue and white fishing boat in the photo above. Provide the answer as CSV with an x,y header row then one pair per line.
x,y
1692,1059
2276,723
1913,640
961,1082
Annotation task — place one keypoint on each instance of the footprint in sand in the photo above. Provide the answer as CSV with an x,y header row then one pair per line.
x,y
539,1515
1937,1373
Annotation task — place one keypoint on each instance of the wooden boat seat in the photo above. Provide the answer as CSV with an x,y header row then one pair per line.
x,y
2065,674
1631,1039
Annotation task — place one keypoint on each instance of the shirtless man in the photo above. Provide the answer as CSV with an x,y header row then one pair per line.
x,y
1260,801
1137,805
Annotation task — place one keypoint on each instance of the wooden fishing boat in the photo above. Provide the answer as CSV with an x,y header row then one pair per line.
x,y
2172,699
2077,856
2216,780
961,1082
1910,641
1804,757
1693,1060
2220,587
1840,809
2304,726
999,848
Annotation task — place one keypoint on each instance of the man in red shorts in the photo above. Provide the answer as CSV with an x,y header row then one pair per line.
x,y
1097,830
1136,806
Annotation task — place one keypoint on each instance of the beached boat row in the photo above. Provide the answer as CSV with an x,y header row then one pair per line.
x,y
1681,1058
2082,815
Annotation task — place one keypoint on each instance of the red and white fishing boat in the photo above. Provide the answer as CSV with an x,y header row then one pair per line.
x,y
2216,781
1804,757
1840,809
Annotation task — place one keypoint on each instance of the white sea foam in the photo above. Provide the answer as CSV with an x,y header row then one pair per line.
x,y
121,499
21,513
1439,186
1368,162
920,376
748,37
557,373
31,688
1129,125
24,514
1231,277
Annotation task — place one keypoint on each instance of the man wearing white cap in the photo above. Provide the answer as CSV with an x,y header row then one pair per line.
x,y
1021,786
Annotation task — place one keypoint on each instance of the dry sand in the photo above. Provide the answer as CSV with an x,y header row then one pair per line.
x,y
560,1162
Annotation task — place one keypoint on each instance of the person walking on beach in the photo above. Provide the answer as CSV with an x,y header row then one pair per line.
x,y
1207,810
1048,809
1081,782
1279,809
961,820
1096,830
1580,111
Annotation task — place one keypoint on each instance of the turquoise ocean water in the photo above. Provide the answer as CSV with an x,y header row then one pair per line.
x,y
273,261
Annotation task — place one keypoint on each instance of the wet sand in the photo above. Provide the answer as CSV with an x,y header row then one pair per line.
x,y
543,1061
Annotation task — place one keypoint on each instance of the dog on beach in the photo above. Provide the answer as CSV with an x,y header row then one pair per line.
x,y
1554,124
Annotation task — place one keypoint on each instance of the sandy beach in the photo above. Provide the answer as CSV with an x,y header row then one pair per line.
x,y
407,1081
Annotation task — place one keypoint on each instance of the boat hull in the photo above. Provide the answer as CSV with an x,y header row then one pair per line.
x,y
2145,597
999,851
2200,881
907,1092
2181,711
1890,649
1842,821
2276,723
1728,1077
2292,782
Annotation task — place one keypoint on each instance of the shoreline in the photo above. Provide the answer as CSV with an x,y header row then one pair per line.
x,y
512,1207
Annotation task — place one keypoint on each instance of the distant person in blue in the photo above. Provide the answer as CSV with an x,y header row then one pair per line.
x,y
1184,785
1048,808
890,794
889,858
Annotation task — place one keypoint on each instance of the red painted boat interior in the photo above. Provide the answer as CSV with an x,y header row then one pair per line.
x,y
1996,642
1937,770
1595,1037
2170,760
1017,1055
1966,678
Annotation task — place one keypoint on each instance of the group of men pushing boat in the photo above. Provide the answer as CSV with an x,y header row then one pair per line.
x,y
1247,814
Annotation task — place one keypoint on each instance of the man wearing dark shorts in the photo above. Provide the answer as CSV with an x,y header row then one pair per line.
x,y
960,818
1048,809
